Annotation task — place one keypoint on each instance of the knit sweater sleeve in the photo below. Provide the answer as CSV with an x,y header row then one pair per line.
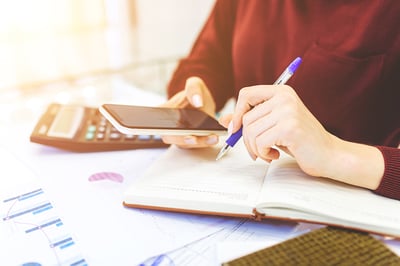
x,y
390,183
210,57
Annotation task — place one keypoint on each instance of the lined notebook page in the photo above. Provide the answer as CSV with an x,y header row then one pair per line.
x,y
193,175
286,183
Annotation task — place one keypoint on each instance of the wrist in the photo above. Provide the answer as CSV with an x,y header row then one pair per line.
x,y
356,164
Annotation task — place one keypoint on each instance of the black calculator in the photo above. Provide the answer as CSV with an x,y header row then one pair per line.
x,y
84,129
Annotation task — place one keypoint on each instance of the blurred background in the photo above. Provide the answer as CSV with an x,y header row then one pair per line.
x,y
60,44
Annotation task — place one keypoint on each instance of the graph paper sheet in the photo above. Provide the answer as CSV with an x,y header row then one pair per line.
x,y
30,222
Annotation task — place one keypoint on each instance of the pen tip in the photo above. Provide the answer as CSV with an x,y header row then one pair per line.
x,y
219,156
222,152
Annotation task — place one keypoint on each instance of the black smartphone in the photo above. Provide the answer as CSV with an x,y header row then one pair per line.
x,y
133,119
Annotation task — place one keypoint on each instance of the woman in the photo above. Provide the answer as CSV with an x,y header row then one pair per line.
x,y
339,115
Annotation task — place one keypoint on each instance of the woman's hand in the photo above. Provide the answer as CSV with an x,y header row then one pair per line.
x,y
275,116
195,95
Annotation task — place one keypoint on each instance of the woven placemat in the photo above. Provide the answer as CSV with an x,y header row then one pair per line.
x,y
325,246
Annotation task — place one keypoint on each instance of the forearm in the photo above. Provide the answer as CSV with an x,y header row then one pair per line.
x,y
210,58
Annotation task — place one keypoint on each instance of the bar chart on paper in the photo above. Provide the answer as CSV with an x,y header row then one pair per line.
x,y
31,231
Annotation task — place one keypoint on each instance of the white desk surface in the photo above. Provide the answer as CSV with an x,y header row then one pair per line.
x,y
103,231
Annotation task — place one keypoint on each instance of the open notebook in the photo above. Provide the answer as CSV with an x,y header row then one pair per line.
x,y
192,181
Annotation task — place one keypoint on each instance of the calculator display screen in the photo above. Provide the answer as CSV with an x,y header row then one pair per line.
x,y
66,122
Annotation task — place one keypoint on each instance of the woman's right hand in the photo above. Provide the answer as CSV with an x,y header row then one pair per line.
x,y
195,95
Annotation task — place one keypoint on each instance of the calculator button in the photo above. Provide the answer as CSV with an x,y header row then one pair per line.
x,y
115,136
144,137
103,123
101,129
157,137
91,128
130,137
89,135
100,136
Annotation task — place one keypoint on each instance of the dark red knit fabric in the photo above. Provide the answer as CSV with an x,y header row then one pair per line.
x,y
390,184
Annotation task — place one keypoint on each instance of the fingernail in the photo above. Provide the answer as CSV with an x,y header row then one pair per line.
x,y
190,140
197,101
230,127
212,140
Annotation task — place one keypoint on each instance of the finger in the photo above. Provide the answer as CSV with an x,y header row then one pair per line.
x,y
249,132
199,95
250,97
249,150
254,131
258,112
177,101
269,154
266,142
225,120
247,142
194,91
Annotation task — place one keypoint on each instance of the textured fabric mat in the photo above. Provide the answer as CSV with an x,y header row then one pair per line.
x,y
325,246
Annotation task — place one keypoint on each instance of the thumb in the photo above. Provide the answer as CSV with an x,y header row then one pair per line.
x,y
199,96
194,91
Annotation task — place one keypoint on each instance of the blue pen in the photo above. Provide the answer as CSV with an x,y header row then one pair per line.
x,y
283,78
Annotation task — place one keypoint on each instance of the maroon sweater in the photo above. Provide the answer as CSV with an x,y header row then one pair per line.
x,y
349,77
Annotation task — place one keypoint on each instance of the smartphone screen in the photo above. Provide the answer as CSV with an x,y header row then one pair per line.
x,y
131,119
